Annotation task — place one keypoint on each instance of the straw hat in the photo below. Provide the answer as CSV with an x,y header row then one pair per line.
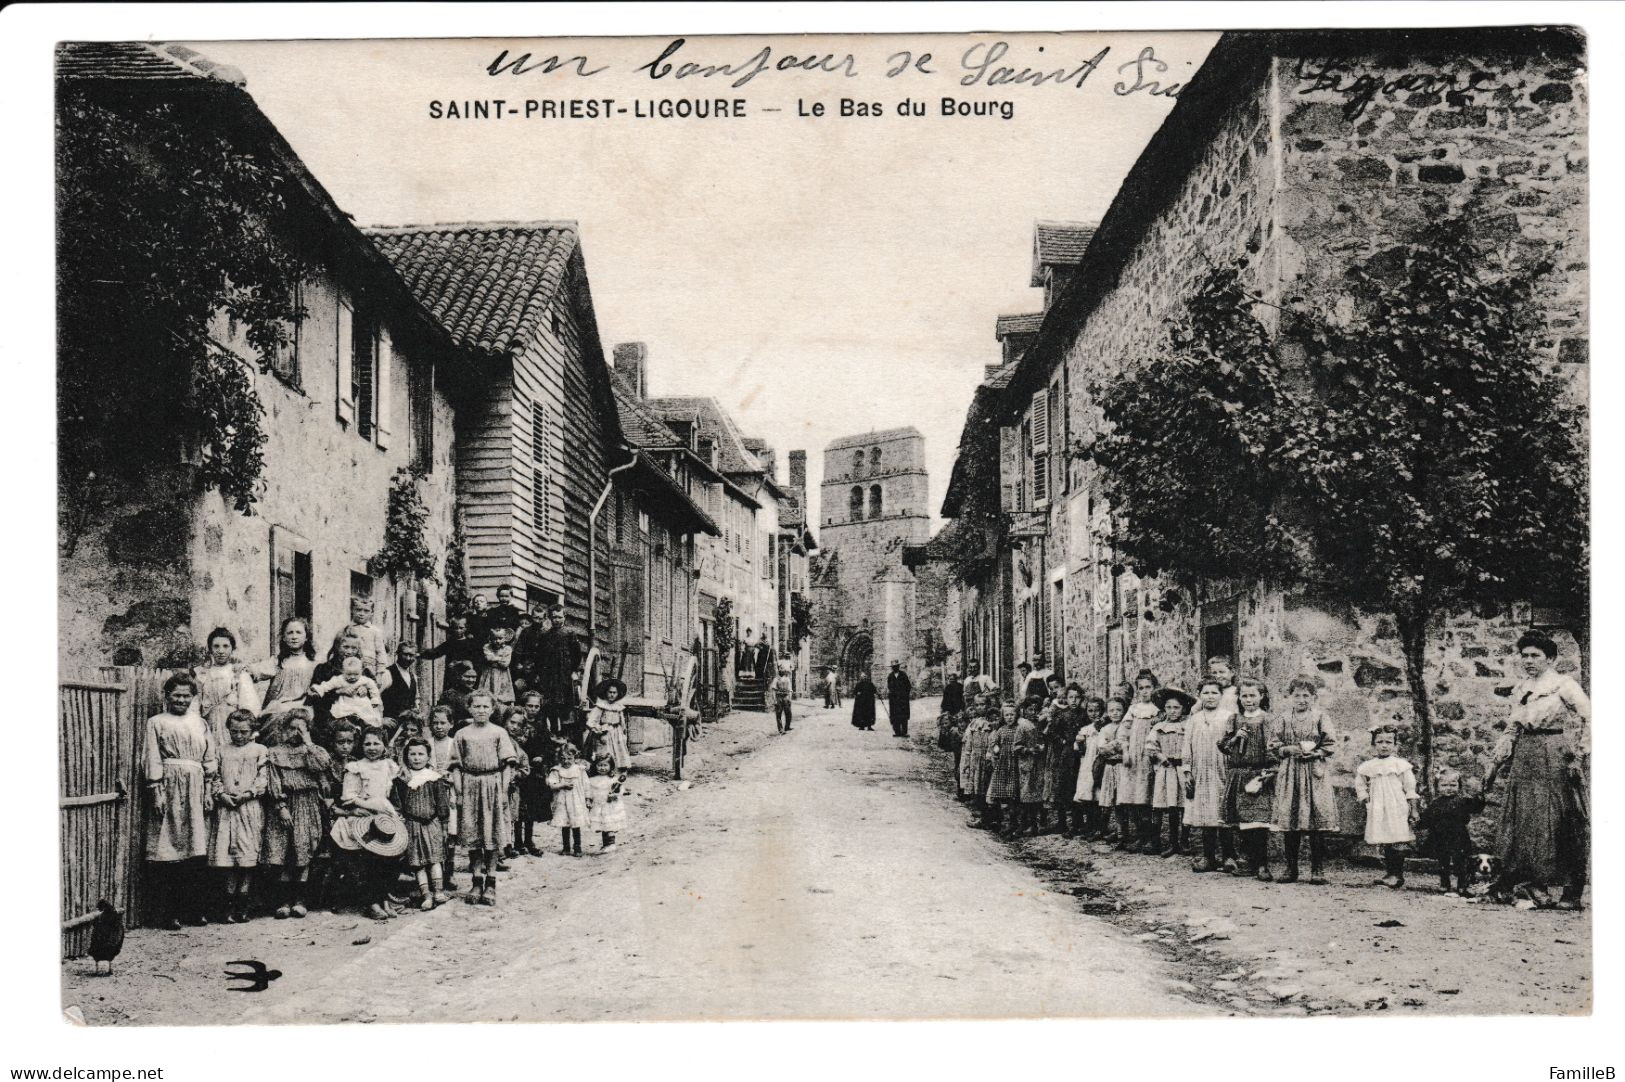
x,y
382,835
602,688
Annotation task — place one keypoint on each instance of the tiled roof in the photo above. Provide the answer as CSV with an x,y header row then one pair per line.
x,y
714,423
641,427
1026,323
1059,244
149,61
489,284
1001,379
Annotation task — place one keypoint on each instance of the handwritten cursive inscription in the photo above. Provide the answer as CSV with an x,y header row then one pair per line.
x,y
746,70
981,63
523,65
1358,91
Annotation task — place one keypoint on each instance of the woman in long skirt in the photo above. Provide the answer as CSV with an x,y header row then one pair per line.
x,y
1545,815
863,703
180,761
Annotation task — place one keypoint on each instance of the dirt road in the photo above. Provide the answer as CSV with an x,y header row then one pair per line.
x,y
819,874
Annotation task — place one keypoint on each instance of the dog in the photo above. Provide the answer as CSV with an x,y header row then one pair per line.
x,y
1484,879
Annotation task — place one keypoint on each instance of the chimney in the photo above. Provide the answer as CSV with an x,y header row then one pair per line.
x,y
798,469
770,461
632,362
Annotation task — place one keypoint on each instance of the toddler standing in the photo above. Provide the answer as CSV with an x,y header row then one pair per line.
x,y
1387,787
443,758
568,780
1446,820
606,809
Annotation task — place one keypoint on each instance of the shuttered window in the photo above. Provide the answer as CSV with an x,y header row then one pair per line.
x,y
541,468
538,502
364,373
1039,430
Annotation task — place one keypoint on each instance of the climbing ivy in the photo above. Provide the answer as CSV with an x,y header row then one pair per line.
x,y
169,229
406,551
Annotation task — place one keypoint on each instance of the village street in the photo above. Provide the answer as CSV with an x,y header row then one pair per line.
x,y
818,874
828,874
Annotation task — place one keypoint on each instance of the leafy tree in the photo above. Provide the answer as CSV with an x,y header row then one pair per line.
x,y
164,223
1417,459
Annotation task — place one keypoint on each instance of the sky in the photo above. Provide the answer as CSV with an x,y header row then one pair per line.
x,y
820,276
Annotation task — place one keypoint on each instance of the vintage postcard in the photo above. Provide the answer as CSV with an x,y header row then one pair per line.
x,y
924,526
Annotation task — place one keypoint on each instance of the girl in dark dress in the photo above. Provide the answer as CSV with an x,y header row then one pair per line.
x,y
863,704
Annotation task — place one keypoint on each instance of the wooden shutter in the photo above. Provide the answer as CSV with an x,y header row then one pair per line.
x,y
1039,432
345,397
381,376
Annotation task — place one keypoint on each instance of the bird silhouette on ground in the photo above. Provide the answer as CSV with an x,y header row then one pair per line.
x,y
256,979
106,936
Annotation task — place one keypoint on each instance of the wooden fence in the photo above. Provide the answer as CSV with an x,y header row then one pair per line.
x,y
101,738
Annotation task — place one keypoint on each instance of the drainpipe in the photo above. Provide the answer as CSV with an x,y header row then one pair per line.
x,y
592,547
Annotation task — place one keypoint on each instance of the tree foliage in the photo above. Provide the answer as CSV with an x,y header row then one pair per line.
x,y
1416,458
165,224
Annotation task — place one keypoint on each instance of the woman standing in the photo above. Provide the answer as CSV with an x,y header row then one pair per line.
x,y
863,703
180,757
1545,815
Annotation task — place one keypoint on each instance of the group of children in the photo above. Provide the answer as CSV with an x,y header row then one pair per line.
x,y
1159,771
360,805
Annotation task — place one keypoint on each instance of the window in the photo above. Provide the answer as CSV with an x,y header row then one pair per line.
x,y
421,433
285,364
364,373
1038,448
360,586
292,593
857,462
541,460
876,502
767,556
620,518
538,503
874,460
855,503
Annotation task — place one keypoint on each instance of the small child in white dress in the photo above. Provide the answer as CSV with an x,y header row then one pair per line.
x,y
357,696
568,780
1387,786
606,810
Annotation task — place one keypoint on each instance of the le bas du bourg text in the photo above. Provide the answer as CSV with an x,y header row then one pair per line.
x,y
704,108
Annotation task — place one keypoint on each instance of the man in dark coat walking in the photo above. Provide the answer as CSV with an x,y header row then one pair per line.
x,y
898,693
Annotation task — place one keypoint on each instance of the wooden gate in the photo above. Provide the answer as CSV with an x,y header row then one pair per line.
x,y
100,806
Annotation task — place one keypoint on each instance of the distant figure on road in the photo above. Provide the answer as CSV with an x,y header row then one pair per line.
x,y
863,703
832,691
898,693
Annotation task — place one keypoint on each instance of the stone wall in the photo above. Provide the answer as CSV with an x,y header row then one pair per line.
x,y
173,564
1303,184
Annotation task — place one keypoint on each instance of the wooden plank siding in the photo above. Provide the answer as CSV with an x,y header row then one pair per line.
x,y
498,457
485,483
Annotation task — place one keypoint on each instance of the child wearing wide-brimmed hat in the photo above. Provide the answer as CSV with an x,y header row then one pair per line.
x,y
366,824
606,724
1165,749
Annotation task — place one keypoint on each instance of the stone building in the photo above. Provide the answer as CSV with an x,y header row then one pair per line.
x,y
873,504
1303,152
738,596
371,384
654,517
